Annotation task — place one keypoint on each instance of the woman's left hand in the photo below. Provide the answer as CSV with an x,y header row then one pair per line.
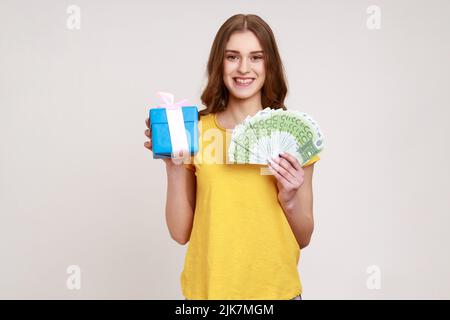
x,y
290,176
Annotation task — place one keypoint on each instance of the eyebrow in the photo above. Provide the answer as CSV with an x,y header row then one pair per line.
x,y
235,51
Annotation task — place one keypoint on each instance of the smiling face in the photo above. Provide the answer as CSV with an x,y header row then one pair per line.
x,y
244,71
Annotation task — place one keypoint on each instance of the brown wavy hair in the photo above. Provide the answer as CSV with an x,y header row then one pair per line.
x,y
274,90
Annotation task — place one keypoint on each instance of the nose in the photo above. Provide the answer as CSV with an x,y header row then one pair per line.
x,y
243,66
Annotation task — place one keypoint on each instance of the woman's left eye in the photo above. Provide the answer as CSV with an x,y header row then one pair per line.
x,y
257,57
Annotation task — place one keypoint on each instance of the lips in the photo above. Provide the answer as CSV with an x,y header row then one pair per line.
x,y
243,82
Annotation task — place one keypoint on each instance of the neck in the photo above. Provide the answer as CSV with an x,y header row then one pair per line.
x,y
239,109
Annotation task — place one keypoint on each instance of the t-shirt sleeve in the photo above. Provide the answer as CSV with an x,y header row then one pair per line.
x,y
190,165
312,160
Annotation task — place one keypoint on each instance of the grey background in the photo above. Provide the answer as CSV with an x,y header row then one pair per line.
x,y
77,187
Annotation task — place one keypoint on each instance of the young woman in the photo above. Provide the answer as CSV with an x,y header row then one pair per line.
x,y
245,229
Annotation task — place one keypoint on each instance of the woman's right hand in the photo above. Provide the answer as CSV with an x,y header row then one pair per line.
x,y
148,144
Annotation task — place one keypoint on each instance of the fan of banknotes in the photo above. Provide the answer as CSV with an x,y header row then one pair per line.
x,y
272,131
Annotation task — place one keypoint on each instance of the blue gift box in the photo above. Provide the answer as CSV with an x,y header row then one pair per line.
x,y
161,142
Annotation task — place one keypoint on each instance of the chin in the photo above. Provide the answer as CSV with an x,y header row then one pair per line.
x,y
242,95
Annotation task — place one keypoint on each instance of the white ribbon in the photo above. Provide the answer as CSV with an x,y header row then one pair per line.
x,y
175,121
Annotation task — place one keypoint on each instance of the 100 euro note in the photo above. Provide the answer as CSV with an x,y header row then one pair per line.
x,y
270,132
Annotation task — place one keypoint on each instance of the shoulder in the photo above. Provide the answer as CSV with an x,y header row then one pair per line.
x,y
206,120
207,116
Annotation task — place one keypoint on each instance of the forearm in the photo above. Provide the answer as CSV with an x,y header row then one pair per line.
x,y
180,204
299,215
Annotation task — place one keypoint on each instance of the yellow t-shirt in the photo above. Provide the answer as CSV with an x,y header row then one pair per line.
x,y
241,245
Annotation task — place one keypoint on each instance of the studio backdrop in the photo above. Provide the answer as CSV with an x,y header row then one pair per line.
x,y
82,201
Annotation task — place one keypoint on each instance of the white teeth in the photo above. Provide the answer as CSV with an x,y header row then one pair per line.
x,y
243,81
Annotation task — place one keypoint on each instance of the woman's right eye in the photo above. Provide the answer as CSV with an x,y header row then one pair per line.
x,y
231,57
